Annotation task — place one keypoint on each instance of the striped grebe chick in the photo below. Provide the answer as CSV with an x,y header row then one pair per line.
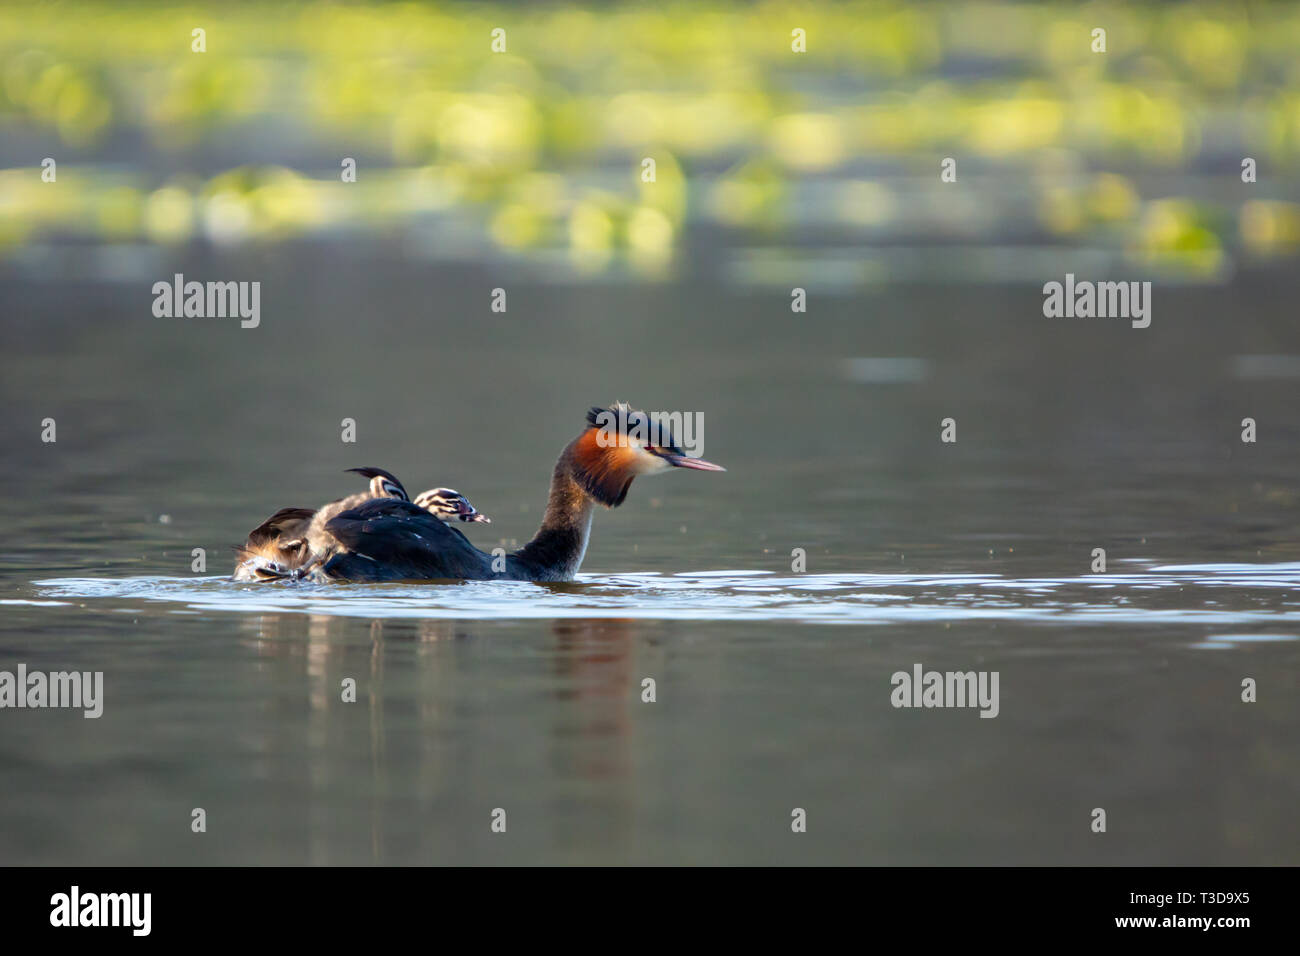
x,y
389,538
448,505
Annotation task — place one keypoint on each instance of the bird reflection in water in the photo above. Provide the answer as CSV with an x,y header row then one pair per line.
x,y
436,730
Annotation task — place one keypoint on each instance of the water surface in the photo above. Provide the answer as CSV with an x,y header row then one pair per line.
x,y
1119,689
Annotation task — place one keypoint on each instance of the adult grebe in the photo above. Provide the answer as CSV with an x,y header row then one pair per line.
x,y
388,538
285,544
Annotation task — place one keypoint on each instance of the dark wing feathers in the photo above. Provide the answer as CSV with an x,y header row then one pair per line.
x,y
395,540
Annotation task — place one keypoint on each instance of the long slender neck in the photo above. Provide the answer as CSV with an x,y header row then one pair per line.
x,y
556,551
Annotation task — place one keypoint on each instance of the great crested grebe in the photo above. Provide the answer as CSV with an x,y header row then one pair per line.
x,y
389,538
285,544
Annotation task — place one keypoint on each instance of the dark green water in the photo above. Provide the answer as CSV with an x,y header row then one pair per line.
x,y
1119,691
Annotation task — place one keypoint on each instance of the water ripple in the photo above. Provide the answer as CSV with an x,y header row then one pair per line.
x,y
1205,594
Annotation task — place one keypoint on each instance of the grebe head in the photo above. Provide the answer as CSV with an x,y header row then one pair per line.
x,y
621,443
383,484
448,505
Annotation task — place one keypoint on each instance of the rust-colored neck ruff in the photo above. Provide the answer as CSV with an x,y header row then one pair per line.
x,y
604,471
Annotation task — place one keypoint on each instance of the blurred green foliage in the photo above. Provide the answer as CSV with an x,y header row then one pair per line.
x,y
545,140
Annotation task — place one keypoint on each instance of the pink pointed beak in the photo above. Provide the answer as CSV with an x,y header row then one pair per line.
x,y
699,464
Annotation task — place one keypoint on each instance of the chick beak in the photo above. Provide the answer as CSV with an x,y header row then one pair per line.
x,y
699,464
467,512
